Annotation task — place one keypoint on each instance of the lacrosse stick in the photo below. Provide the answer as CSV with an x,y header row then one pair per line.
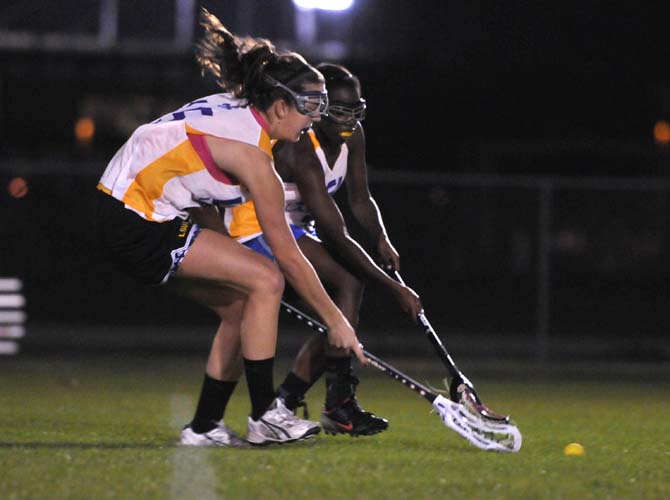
x,y
461,390
482,433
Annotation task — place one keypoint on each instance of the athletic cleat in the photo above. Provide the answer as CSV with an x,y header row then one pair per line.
x,y
293,403
342,413
221,435
350,418
279,425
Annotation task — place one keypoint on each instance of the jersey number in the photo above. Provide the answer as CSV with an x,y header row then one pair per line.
x,y
204,110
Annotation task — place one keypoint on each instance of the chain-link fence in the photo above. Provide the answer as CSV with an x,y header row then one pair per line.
x,y
537,265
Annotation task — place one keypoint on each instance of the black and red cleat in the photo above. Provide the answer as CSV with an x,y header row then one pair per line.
x,y
350,418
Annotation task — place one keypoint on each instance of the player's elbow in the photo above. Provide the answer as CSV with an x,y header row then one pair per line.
x,y
336,237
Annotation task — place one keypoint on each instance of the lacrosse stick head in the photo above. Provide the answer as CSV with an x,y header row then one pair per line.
x,y
463,392
483,432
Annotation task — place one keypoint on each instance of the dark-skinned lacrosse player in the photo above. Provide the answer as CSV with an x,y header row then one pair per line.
x,y
325,158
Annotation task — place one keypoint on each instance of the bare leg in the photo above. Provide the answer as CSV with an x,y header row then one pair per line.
x,y
346,291
216,260
342,412
225,356
244,289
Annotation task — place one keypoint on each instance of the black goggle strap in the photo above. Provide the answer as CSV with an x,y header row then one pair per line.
x,y
307,102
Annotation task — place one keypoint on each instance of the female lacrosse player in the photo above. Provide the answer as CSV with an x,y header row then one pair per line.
x,y
313,168
216,150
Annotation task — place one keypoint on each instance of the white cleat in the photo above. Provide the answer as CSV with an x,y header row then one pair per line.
x,y
221,435
279,425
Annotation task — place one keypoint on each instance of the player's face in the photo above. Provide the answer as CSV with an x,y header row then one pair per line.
x,y
298,122
345,110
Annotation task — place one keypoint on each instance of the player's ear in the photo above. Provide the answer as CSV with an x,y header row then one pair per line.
x,y
280,108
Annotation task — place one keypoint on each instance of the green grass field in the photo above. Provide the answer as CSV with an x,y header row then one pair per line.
x,y
107,427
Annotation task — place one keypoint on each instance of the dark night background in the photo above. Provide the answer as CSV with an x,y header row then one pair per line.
x,y
440,78
532,90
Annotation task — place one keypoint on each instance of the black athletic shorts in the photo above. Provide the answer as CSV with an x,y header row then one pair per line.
x,y
148,251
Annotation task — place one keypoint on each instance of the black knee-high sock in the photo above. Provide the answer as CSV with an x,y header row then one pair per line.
x,y
292,390
214,397
261,388
338,386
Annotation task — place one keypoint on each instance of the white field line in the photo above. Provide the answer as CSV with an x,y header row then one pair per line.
x,y
193,476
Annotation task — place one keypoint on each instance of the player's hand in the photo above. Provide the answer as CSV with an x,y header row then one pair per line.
x,y
342,336
388,255
408,299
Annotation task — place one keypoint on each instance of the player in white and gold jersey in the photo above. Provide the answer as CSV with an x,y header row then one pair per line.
x,y
216,150
313,169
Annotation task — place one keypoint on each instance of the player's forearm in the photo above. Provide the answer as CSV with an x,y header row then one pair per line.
x,y
302,277
367,214
357,258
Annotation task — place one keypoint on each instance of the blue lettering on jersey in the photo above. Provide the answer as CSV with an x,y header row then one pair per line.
x,y
197,101
192,107
227,105
334,184
221,203
228,203
180,115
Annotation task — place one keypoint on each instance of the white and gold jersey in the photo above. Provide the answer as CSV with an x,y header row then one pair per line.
x,y
241,220
166,167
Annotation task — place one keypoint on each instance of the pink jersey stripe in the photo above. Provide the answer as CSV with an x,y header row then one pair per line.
x,y
259,118
200,145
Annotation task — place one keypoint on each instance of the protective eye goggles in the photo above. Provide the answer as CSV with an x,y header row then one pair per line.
x,y
310,102
342,112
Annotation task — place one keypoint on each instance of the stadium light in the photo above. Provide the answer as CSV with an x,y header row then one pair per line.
x,y
336,5
306,25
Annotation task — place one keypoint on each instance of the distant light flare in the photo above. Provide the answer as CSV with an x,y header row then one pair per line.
x,y
17,188
662,132
84,130
334,5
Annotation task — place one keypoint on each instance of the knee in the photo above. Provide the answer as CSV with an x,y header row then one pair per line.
x,y
269,280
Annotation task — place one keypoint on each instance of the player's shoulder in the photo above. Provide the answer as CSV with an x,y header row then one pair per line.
x,y
301,150
307,143
296,160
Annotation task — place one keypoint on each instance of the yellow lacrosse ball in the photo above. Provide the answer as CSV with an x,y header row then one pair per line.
x,y
573,450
